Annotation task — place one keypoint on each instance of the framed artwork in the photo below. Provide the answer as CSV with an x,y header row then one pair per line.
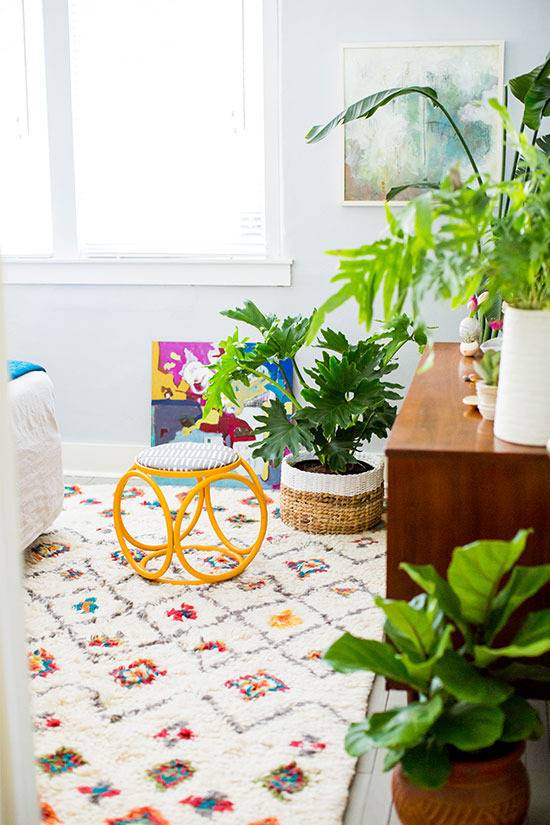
x,y
180,375
409,139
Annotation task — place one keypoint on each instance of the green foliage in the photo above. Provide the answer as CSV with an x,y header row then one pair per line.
x,y
366,108
345,402
458,238
467,699
489,366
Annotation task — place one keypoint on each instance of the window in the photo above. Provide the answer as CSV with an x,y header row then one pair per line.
x,y
162,132
25,215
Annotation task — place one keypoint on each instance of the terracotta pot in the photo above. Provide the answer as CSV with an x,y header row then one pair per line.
x,y
495,792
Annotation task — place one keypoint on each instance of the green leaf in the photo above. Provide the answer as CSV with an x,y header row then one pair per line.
x,y
427,577
283,339
523,583
517,672
521,84
366,107
463,681
402,728
412,624
396,190
469,727
476,570
544,144
533,639
392,758
423,671
281,433
427,765
335,341
349,653
521,721
537,101
227,368
250,314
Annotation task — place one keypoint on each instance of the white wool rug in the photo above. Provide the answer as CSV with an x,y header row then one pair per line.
x,y
162,705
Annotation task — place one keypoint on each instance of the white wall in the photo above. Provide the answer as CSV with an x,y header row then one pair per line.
x,y
95,341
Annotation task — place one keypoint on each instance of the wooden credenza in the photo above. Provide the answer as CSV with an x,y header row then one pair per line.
x,y
450,482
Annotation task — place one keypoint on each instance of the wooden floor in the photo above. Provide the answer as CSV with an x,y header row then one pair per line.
x,y
370,794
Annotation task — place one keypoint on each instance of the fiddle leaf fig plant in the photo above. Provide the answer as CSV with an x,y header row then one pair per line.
x,y
468,697
343,399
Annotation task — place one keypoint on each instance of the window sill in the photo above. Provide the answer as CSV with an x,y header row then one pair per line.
x,y
148,271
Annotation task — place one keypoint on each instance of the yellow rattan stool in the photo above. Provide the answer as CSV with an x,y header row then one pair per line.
x,y
206,464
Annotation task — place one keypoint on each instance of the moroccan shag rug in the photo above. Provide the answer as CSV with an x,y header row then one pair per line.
x,y
156,705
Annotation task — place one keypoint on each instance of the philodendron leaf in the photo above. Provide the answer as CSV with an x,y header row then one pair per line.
x,y
469,727
349,653
413,624
476,570
281,433
366,107
517,672
427,577
521,720
396,190
544,144
250,314
427,766
403,728
523,583
533,639
463,681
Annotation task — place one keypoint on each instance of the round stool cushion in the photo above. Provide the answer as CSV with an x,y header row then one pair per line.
x,y
186,456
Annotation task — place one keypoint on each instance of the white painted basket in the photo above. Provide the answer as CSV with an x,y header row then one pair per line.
x,y
523,400
332,503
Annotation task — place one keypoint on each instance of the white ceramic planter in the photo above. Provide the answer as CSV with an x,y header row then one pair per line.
x,y
523,400
332,503
486,399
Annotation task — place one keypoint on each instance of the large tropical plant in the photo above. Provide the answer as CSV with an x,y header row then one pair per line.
x,y
446,645
343,399
439,243
451,243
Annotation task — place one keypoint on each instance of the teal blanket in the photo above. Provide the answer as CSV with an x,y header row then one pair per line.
x,y
18,368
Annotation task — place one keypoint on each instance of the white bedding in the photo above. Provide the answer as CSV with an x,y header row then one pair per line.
x,y
38,453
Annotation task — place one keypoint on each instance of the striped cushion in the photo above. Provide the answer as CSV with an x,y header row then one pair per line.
x,y
186,457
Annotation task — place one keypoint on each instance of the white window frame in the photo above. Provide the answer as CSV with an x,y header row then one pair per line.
x,y
67,266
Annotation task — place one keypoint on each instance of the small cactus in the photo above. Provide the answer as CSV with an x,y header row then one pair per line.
x,y
469,330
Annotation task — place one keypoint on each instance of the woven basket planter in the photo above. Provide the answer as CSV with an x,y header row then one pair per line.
x,y
325,503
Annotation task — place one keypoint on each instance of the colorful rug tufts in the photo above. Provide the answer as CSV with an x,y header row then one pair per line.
x,y
162,705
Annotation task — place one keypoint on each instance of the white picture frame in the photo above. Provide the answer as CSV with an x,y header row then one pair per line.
x,y
496,46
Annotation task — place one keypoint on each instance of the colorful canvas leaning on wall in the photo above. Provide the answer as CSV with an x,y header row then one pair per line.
x,y
410,140
180,376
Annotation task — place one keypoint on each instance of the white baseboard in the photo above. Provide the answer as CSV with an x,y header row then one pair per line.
x,y
99,460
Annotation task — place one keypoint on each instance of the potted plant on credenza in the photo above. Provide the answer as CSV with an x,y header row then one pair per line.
x,y
456,750
318,430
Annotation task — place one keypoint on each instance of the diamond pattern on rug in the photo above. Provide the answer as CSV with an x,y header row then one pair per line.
x,y
163,705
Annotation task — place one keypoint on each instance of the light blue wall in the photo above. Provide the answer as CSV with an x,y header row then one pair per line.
x,y
96,341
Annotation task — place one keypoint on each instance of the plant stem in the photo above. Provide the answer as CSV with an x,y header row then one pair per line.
x,y
503,160
283,373
268,380
298,373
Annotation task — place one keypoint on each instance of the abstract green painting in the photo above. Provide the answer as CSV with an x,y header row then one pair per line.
x,y
409,140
